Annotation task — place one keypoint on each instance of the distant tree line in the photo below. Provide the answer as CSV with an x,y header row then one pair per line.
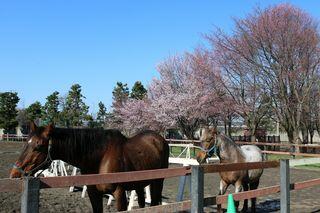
x,y
67,111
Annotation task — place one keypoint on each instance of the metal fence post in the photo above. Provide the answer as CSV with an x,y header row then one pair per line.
x,y
182,183
197,189
284,186
30,195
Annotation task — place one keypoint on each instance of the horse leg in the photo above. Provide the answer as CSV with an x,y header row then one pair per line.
x,y
141,198
245,203
121,199
239,188
223,187
222,191
156,192
254,186
95,198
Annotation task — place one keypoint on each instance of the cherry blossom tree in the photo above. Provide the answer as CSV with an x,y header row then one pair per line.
x,y
137,115
188,93
275,52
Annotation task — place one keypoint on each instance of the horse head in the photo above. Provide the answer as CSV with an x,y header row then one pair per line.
x,y
36,152
208,138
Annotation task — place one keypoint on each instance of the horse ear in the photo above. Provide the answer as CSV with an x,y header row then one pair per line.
x,y
33,126
48,130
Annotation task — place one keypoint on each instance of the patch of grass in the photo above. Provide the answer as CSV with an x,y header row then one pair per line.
x,y
315,166
271,157
177,150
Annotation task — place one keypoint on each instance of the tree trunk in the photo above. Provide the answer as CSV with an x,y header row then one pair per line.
x,y
253,138
297,140
253,133
311,136
229,127
304,132
225,127
290,136
291,139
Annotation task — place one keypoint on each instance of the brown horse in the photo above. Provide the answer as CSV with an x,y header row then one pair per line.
x,y
97,151
229,152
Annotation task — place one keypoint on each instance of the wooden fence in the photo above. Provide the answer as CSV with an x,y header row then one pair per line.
x,y
13,137
305,150
266,138
30,186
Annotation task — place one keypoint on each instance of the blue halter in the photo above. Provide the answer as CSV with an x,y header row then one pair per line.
x,y
211,151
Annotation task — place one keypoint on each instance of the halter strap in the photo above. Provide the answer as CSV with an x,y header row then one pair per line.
x,y
211,151
47,160
15,166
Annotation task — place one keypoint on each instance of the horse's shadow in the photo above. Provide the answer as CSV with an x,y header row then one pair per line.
x,y
269,205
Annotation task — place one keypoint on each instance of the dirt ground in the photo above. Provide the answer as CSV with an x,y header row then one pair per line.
x,y
61,200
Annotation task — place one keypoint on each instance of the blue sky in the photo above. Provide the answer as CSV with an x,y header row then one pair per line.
x,y
50,45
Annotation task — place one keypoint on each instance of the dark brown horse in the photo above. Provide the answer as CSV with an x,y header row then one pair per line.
x,y
228,151
97,151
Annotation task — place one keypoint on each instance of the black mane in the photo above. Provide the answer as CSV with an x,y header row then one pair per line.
x,y
76,143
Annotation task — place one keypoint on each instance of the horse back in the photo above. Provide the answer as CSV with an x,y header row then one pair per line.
x,y
252,153
146,150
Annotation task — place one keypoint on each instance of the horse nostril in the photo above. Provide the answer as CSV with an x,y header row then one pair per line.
x,y
14,174
200,160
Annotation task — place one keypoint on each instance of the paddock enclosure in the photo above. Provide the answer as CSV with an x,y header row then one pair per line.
x,y
61,200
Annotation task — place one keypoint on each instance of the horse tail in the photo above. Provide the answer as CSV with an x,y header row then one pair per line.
x,y
165,162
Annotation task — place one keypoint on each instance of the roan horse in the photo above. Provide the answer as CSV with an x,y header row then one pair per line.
x,y
228,151
97,151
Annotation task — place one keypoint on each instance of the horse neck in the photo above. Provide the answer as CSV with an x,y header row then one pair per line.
x,y
229,152
68,145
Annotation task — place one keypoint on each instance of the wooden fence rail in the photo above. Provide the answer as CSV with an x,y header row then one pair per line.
x,y
291,153
314,146
30,186
239,166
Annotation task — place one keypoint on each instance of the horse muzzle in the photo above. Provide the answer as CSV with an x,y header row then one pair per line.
x,y
201,157
15,173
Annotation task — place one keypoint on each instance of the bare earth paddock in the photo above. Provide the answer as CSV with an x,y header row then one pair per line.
x,y
60,200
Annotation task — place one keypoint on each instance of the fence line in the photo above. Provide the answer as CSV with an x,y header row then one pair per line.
x,y
173,141
13,137
225,167
315,146
221,199
291,153
120,177
27,185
